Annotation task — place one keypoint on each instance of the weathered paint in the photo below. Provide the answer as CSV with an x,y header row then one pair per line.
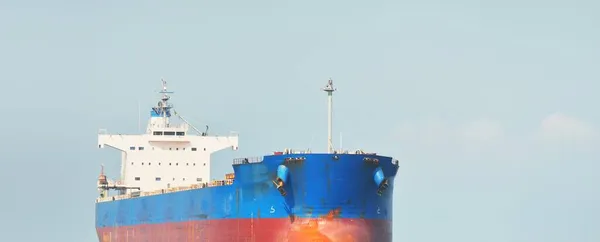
x,y
255,230
339,191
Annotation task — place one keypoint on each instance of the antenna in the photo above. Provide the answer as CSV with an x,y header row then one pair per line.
x,y
164,92
329,89
163,105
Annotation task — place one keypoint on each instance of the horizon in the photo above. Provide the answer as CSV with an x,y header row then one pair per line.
x,y
488,106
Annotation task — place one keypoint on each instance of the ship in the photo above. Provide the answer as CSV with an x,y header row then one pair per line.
x,y
165,191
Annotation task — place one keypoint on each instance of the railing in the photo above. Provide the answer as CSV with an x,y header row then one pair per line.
x,y
169,126
292,151
248,160
215,183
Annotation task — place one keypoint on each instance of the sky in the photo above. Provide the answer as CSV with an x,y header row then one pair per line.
x,y
490,106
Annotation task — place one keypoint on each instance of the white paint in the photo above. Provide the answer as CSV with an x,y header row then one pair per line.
x,y
176,160
169,158
329,89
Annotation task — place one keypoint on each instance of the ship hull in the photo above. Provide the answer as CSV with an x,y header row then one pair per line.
x,y
327,198
260,230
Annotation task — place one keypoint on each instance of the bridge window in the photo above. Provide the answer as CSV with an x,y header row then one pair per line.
x,y
132,148
142,163
204,149
140,148
180,133
194,149
137,178
158,179
199,179
169,133
184,178
149,163
157,133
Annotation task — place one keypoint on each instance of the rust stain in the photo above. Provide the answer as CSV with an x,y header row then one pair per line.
x,y
335,213
325,229
307,232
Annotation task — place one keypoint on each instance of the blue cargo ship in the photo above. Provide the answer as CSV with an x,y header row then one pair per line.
x,y
165,193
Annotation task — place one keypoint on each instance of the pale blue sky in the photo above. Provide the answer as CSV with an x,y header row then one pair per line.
x,y
491,106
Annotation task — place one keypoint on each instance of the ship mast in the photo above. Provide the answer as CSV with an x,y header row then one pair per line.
x,y
163,105
329,89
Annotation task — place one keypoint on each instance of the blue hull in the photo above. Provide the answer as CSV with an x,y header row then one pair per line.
x,y
338,187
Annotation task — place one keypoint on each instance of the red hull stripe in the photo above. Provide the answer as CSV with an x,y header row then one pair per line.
x,y
255,230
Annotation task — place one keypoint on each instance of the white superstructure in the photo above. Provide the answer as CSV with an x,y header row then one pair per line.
x,y
167,155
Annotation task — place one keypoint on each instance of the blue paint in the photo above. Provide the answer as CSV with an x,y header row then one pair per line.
x,y
154,114
314,187
378,176
282,173
157,112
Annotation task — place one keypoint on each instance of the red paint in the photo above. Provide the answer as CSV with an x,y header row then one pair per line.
x,y
256,230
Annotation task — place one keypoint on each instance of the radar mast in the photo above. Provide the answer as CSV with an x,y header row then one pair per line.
x,y
329,89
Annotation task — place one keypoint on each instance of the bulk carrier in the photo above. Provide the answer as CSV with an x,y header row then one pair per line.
x,y
165,193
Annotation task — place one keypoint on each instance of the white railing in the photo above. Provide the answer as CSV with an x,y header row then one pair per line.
x,y
247,160
215,183
170,127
